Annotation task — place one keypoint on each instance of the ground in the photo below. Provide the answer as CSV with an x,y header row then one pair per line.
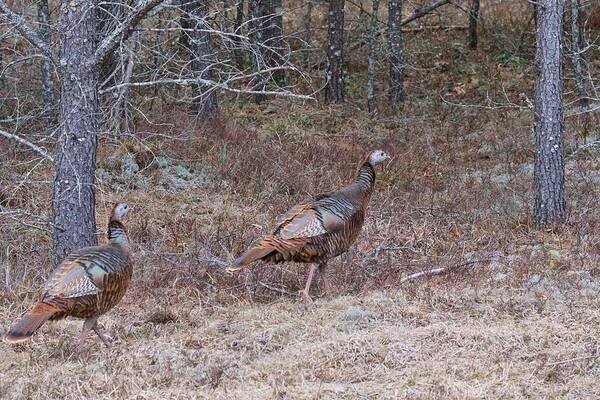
x,y
460,342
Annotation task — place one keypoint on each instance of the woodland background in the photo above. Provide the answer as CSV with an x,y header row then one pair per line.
x,y
211,125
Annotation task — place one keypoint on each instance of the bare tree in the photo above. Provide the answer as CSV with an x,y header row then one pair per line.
x,y
204,96
371,58
396,53
74,198
47,67
275,43
473,20
549,170
308,30
334,80
577,62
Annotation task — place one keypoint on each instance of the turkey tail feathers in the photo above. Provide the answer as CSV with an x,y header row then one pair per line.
x,y
253,254
30,322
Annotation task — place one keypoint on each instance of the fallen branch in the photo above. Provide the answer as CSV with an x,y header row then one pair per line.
x,y
438,271
436,28
27,143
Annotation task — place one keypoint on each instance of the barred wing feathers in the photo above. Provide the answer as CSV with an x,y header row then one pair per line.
x,y
84,273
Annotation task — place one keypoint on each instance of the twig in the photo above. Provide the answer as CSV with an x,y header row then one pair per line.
x,y
27,143
438,271
572,360
275,289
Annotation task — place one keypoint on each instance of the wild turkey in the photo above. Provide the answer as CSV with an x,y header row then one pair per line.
x,y
321,229
88,283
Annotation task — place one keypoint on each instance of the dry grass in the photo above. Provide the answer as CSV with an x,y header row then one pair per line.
x,y
516,320
451,342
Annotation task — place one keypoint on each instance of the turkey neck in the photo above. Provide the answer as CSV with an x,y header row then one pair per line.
x,y
360,190
117,234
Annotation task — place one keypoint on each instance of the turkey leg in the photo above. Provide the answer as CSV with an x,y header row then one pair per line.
x,y
304,293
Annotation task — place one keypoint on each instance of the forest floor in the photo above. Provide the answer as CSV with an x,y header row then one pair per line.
x,y
432,343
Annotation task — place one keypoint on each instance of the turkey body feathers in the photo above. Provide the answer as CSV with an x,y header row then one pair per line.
x,y
318,230
87,284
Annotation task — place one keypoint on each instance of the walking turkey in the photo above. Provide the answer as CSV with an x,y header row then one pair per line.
x,y
87,284
321,229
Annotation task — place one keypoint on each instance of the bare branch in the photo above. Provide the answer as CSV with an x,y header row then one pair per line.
x,y
223,86
423,11
438,271
123,31
27,143
20,25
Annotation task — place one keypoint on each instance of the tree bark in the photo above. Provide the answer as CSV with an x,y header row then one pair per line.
x,y
205,97
371,58
276,39
74,195
257,35
396,53
47,68
308,22
237,29
473,20
335,80
549,171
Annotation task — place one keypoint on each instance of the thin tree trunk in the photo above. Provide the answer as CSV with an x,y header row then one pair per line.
x,y
549,171
576,58
205,98
396,53
74,193
473,20
47,82
371,59
257,35
334,80
239,19
308,30
276,40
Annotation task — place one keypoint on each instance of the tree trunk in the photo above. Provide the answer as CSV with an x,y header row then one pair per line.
x,y
577,64
257,36
47,82
74,192
308,30
549,171
239,19
473,20
276,40
334,80
396,53
371,58
205,97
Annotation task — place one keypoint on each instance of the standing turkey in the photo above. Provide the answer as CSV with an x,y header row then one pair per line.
x,y
88,283
321,229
